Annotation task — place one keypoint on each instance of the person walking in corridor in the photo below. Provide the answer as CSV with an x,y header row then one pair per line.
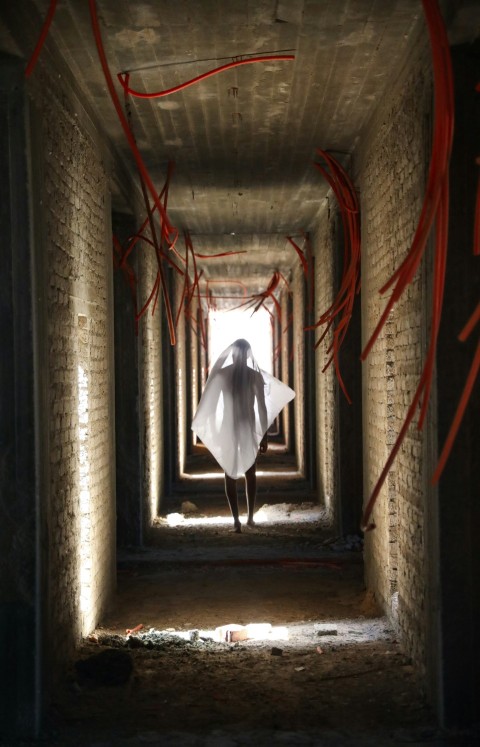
x,y
239,403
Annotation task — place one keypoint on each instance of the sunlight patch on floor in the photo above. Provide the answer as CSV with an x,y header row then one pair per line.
x,y
280,513
318,635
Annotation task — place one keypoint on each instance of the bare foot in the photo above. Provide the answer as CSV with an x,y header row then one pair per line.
x,y
251,523
237,527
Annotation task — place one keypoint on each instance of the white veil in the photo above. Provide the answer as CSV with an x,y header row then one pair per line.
x,y
239,403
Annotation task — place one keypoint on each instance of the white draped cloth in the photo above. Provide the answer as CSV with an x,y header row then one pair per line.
x,y
239,403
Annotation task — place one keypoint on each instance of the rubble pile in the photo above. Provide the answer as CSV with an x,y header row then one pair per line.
x,y
161,639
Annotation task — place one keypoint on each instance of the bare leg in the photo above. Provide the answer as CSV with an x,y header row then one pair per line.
x,y
231,493
251,490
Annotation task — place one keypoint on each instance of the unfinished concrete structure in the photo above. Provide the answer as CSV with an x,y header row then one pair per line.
x,y
95,418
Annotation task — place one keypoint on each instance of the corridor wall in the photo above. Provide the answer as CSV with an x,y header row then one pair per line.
x,y
391,166
298,354
152,358
421,560
63,542
326,387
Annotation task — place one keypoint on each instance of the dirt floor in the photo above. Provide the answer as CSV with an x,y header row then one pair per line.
x,y
329,672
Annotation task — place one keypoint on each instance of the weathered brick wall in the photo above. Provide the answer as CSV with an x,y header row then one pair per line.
x,y
183,427
391,165
297,288
323,247
151,387
74,240
283,365
195,381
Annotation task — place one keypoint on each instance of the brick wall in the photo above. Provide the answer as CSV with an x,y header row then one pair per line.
x,y
151,387
182,426
297,288
285,344
72,236
391,166
324,247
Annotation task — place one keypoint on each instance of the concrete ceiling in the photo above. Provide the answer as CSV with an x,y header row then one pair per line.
x,y
243,141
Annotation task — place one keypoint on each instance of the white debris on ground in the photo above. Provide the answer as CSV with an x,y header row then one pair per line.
x,y
297,635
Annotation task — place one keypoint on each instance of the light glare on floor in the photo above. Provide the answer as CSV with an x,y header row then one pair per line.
x,y
282,513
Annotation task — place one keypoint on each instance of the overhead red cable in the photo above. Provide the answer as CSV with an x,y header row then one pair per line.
x,y
123,121
160,280
123,77
164,256
340,311
257,300
185,288
301,255
41,40
196,287
220,254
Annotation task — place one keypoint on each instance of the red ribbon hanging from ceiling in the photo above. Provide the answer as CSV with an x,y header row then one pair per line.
x,y
41,39
123,77
340,311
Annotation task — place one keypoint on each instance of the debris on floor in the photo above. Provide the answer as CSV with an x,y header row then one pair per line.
x,y
163,639
194,579
325,629
348,543
129,631
188,507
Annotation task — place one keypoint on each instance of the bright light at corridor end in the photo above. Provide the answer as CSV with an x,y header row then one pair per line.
x,y
227,326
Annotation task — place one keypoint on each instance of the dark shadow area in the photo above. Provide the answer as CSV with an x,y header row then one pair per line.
x,y
330,671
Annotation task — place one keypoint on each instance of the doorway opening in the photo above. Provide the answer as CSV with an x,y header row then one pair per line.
x,y
224,327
